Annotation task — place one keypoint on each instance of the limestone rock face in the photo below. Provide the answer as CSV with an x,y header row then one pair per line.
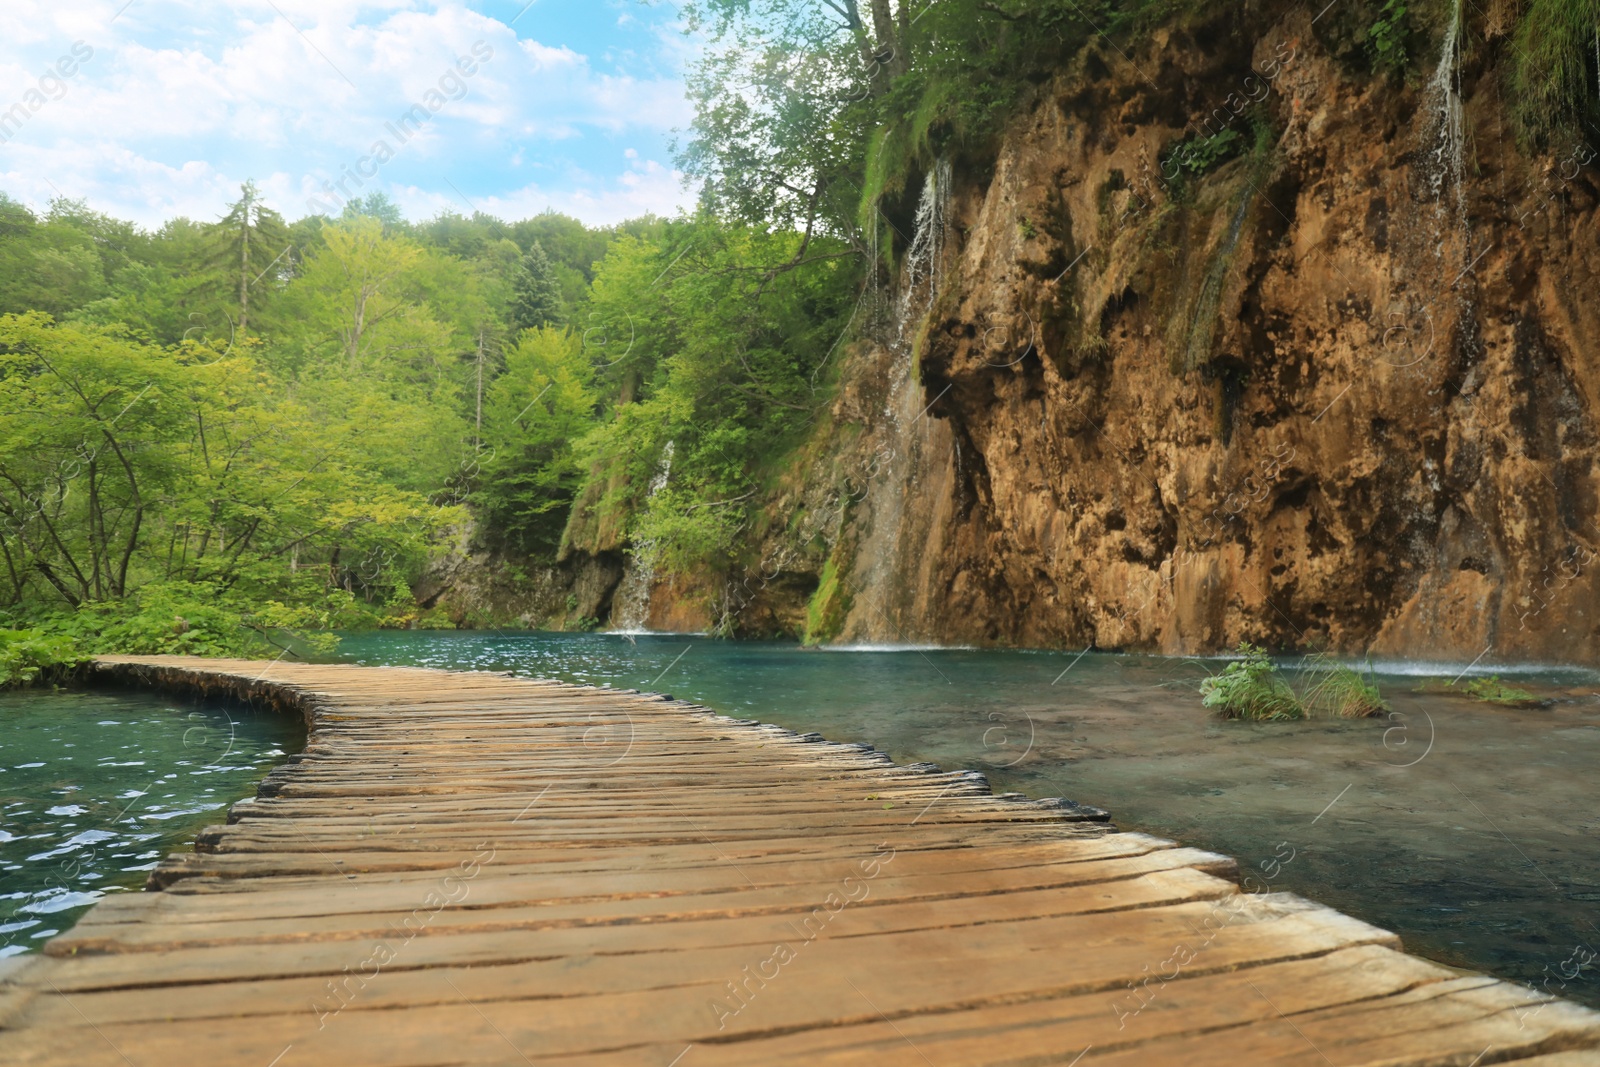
x,y
478,587
1337,391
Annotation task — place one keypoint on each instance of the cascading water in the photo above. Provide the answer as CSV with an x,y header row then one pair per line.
x,y
632,611
927,243
1447,129
908,446
1444,295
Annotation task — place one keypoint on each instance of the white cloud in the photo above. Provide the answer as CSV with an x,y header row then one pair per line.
x,y
647,187
184,99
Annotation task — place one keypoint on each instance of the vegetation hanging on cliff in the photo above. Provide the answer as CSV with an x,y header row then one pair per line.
x,y
1555,79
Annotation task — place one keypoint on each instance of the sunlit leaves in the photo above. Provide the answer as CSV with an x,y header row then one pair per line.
x,y
124,464
707,339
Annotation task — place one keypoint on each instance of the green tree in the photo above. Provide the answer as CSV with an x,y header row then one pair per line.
x,y
785,106
371,352
85,454
697,343
55,264
250,242
536,298
128,468
535,413
375,206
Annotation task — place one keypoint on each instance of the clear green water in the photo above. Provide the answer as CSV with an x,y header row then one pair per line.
x,y
96,786
1470,830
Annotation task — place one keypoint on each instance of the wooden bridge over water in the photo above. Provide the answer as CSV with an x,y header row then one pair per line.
x,y
469,868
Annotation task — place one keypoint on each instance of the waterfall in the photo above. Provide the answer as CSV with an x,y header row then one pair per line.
x,y
908,443
927,243
1203,319
632,610
873,283
1447,126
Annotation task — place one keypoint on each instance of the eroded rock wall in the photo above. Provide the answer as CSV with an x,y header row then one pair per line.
x,y
1332,393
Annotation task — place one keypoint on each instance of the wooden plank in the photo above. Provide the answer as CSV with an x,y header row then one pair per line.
x,y
468,914
1138,917
928,874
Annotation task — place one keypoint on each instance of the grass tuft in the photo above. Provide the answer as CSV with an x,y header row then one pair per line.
x,y
1340,691
1252,687
1556,68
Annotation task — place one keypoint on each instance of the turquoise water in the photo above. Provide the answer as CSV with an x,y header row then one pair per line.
x,y
1471,830
96,786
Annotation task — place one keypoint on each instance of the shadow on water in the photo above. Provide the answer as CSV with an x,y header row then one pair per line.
x,y
1469,829
96,786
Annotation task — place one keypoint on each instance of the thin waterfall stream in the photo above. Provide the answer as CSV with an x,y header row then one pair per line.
x,y
901,461
632,611
1447,129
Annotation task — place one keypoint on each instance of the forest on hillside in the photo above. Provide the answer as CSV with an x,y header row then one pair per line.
x,y
222,430
227,432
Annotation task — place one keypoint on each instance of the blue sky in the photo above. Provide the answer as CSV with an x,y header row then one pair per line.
x,y
178,101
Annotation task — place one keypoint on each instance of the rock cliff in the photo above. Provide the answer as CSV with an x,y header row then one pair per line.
x,y
1231,340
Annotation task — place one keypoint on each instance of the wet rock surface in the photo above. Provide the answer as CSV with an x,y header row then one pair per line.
x,y
1337,391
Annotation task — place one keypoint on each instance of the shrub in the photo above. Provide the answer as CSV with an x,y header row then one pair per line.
x,y
202,619
28,657
1390,37
1251,687
1199,154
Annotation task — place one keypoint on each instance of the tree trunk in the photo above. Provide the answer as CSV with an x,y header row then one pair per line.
x,y
887,62
883,27
97,534
477,435
244,274
61,587
11,571
902,52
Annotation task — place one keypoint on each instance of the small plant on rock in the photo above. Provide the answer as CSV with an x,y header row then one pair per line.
x,y
1389,39
1492,690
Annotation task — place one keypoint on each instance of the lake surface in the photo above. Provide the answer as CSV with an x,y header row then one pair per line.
x,y
96,786
1471,830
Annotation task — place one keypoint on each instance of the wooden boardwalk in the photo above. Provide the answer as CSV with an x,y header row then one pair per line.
x,y
467,868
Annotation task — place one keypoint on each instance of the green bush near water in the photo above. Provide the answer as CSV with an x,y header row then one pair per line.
x,y
28,657
1253,687
1340,691
46,645
1490,690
